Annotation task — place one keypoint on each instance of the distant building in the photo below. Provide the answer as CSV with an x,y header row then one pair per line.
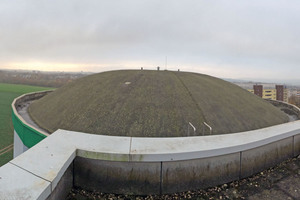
x,y
258,90
278,93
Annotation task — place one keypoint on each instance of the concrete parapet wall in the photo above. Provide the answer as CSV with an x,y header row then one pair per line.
x,y
260,158
143,165
64,186
289,108
128,165
29,97
187,175
117,177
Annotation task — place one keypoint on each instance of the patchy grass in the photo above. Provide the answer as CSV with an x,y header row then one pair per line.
x,y
8,92
153,104
229,108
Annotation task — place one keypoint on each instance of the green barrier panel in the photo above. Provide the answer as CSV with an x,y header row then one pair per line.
x,y
28,135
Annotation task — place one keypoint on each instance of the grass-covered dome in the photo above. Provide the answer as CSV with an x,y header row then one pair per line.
x,y
152,104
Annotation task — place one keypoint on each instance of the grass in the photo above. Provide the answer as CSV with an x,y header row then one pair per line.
x,y
8,92
228,108
20,89
153,104
6,157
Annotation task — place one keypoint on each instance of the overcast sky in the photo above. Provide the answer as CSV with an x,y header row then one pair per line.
x,y
235,39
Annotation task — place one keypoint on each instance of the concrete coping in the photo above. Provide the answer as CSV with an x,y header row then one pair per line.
x,y
50,158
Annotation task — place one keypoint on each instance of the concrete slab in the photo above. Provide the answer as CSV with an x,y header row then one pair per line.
x,y
260,158
117,177
187,175
16,183
49,159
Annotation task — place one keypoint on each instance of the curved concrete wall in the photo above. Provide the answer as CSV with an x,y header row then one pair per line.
x,y
289,108
25,134
144,165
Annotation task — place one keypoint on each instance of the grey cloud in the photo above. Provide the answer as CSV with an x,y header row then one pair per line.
x,y
246,34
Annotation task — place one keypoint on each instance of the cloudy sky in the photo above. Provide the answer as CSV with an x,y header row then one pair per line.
x,y
234,39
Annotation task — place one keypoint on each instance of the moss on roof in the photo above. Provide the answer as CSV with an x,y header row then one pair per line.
x,y
153,104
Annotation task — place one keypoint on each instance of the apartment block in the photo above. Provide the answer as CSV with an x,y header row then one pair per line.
x,y
279,93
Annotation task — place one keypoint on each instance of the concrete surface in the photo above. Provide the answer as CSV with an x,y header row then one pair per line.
x,y
117,177
16,183
48,159
199,173
63,187
184,148
192,161
260,158
19,147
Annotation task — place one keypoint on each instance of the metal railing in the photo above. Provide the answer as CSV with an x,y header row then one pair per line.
x,y
209,127
194,128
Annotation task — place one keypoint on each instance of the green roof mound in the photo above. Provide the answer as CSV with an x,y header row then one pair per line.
x,y
144,103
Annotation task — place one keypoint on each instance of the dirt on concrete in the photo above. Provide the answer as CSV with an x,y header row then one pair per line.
x,y
280,182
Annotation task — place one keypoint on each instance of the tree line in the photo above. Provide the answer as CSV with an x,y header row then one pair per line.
x,y
37,78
